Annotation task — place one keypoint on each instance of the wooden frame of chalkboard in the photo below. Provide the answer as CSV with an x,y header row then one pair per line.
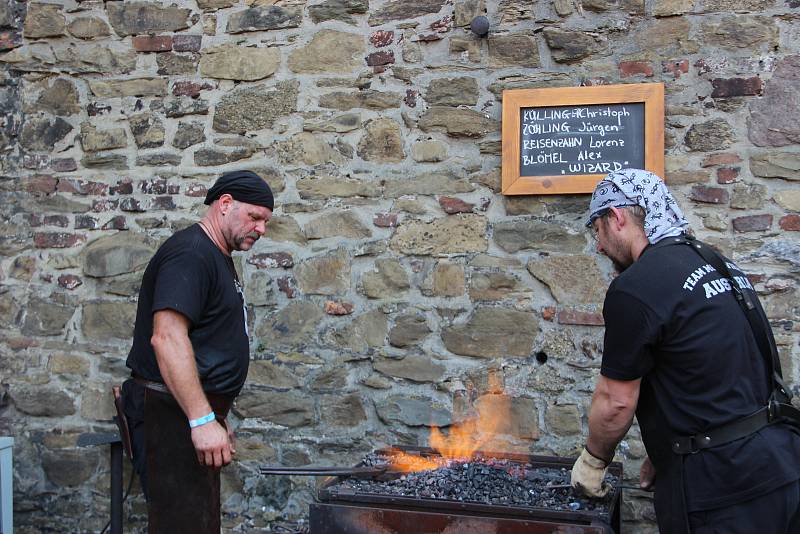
x,y
565,139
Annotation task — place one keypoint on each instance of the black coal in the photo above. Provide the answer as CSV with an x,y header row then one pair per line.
x,y
485,481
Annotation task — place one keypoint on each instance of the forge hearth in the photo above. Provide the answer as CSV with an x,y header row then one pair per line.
x,y
494,493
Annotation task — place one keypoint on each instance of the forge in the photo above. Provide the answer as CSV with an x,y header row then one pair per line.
x,y
490,493
459,486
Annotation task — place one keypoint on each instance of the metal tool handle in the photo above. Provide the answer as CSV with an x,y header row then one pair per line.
x,y
323,471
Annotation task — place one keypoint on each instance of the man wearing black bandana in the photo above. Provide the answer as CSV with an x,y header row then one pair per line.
x,y
190,356
689,350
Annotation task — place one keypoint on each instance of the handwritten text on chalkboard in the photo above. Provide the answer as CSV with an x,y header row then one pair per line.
x,y
570,140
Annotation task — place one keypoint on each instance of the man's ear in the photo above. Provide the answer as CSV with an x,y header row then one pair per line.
x,y
616,218
225,202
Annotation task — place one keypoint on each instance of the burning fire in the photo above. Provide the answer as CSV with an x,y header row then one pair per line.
x,y
411,463
489,430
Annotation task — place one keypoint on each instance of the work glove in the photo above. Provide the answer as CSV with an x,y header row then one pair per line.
x,y
587,475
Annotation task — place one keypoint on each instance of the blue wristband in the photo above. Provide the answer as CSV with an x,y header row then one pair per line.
x,y
194,423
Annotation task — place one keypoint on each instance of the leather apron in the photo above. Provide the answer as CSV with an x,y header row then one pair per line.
x,y
669,499
182,495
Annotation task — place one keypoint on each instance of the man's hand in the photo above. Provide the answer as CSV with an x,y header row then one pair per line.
x,y
587,475
231,436
647,475
212,444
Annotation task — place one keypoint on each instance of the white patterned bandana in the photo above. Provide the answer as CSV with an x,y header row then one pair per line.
x,y
636,187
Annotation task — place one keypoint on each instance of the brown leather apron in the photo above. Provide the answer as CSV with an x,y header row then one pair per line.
x,y
182,495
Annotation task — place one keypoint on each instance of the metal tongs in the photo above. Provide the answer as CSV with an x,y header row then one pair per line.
x,y
620,486
376,471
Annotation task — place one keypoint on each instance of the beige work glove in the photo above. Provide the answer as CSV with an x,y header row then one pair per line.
x,y
587,475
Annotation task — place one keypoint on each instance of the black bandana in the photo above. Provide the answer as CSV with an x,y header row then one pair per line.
x,y
244,186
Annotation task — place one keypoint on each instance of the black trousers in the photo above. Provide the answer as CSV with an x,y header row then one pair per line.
x,y
182,495
777,512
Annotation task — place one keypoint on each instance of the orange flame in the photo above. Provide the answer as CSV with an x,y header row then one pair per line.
x,y
411,463
483,432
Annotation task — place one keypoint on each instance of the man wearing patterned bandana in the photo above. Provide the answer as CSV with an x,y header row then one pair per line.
x,y
190,356
634,187
682,355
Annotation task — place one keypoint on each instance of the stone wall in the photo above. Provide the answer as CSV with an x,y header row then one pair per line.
x,y
395,279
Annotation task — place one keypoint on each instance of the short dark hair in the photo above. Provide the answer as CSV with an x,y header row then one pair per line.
x,y
637,213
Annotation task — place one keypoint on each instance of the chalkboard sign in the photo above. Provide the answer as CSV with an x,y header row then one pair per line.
x,y
565,140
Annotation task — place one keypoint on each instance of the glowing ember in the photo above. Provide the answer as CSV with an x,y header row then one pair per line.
x,y
489,430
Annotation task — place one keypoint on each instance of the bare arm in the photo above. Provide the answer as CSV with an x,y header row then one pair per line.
x,y
176,362
175,357
611,415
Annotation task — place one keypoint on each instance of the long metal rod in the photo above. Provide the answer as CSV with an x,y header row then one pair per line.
x,y
621,486
323,471
116,488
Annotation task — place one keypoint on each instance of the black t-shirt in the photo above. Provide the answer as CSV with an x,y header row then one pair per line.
x,y
190,275
672,320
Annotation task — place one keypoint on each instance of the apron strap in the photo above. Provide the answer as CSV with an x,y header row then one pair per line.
x,y
678,518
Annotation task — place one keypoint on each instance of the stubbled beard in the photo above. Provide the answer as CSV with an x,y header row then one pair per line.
x,y
239,240
620,261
